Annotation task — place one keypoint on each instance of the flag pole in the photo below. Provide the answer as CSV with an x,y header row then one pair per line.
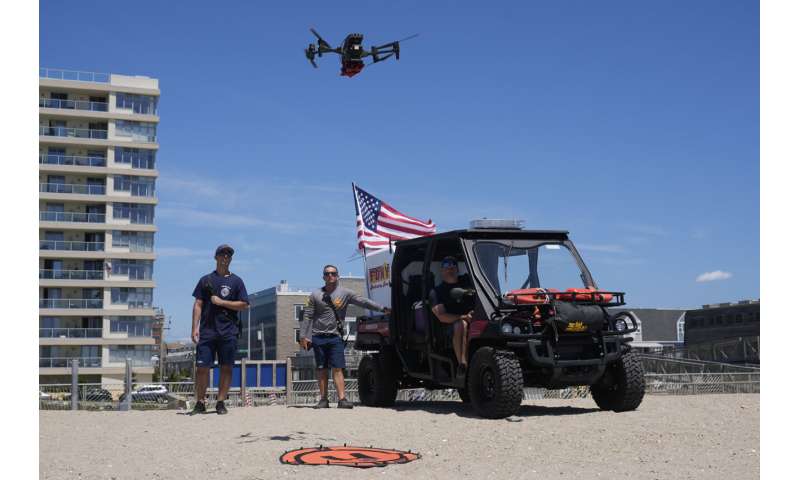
x,y
362,250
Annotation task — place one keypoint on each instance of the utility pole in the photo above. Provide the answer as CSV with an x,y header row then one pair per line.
x,y
162,349
263,348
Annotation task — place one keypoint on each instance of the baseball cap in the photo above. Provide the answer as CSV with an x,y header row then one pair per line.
x,y
224,248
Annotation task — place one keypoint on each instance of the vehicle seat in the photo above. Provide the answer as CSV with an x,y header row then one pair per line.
x,y
414,303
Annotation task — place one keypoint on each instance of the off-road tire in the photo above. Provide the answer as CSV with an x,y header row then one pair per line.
x,y
494,382
377,381
627,385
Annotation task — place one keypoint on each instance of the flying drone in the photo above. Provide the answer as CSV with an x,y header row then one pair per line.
x,y
353,53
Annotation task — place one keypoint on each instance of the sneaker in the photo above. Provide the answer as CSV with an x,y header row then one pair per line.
x,y
199,407
221,410
345,403
323,403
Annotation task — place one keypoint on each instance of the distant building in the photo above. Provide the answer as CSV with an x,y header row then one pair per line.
x,y
97,200
179,359
725,332
271,326
657,327
158,330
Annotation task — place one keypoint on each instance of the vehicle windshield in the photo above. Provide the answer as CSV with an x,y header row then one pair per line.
x,y
514,265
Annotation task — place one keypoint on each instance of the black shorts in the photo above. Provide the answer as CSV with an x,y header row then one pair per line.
x,y
223,348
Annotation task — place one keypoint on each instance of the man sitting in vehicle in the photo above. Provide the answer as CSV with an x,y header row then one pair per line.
x,y
455,313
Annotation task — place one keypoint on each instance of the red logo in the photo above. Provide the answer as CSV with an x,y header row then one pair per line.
x,y
361,457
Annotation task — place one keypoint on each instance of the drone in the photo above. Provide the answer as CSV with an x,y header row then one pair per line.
x,y
352,52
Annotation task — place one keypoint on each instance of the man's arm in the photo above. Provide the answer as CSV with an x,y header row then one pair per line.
x,y
306,324
237,305
367,303
445,317
197,310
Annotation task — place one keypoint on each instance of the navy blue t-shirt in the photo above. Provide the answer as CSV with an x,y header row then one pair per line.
x,y
215,320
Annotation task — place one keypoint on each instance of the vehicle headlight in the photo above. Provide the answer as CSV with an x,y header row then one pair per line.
x,y
506,328
621,325
517,330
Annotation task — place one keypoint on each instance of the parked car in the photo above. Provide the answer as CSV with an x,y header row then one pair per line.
x,y
92,394
44,396
148,393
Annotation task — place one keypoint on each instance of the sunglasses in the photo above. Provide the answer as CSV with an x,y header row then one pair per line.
x,y
330,274
449,264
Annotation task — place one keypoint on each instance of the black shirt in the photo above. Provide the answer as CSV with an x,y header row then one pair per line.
x,y
441,295
215,320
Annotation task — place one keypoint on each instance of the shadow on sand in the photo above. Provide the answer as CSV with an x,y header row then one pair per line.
x,y
465,410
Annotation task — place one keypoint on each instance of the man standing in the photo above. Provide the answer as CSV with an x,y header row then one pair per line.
x,y
215,326
323,329
455,314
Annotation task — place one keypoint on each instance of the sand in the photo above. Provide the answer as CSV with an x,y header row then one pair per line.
x,y
668,437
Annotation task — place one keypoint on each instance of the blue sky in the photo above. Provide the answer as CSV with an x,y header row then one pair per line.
x,y
634,125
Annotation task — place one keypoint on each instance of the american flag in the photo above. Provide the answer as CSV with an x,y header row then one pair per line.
x,y
377,223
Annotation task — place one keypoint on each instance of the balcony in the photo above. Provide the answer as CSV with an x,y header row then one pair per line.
x,y
73,104
71,274
58,74
72,217
72,160
70,332
72,188
73,132
66,362
70,303
72,246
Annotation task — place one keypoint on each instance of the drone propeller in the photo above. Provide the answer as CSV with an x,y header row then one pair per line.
x,y
409,38
322,43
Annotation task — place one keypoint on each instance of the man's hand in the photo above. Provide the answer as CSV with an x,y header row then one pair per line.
x,y
196,334
387,310
216,300
468,317
305,343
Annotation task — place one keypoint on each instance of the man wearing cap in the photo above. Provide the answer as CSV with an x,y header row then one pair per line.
x,y
215,326
323,327
456,314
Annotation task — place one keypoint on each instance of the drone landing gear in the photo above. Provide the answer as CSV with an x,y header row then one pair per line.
x,y
382,52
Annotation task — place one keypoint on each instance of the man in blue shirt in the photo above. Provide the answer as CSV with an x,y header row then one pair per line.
x,y
215,326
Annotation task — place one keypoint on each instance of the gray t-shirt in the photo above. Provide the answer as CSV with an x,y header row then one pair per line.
x,y
318,317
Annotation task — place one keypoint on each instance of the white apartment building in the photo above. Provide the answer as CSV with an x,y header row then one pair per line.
x,y
97,153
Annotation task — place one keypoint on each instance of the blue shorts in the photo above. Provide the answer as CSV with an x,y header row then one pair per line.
x,y
224,349
328,351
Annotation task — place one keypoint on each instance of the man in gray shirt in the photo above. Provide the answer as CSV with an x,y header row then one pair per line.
x,y
323,329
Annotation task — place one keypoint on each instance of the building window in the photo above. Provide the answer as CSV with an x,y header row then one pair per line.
x,y
133,326
134,269
137,186
136,213
136,131
142,104
136,241
133,297
140,355
297,335
298,312
136,157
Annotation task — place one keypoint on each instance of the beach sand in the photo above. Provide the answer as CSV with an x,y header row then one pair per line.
x,y
668,437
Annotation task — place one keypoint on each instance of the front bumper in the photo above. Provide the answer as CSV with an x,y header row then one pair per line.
x,y
572,360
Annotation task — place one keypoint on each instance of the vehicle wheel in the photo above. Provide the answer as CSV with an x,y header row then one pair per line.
x,y
495,383
622,387
377,381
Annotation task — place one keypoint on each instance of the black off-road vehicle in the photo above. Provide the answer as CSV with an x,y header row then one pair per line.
x,y
539,321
